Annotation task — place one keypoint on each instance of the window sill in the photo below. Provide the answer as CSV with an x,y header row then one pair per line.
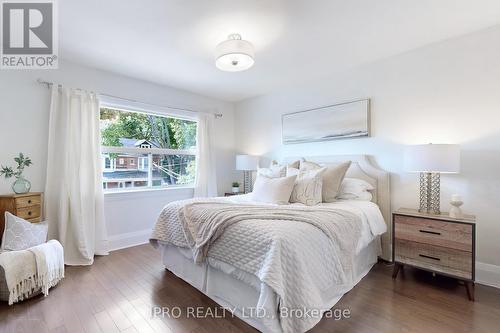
x,y
146,191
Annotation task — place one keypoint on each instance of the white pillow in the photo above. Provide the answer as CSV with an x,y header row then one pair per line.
x,y
275,170
20,234
272,172
364,196
332,177
308,186
294,164
355,189
273,190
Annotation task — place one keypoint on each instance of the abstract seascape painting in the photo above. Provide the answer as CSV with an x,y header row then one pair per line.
x,y
339,121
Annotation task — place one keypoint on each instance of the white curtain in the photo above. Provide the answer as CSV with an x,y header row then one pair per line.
x,y
74,200
206,178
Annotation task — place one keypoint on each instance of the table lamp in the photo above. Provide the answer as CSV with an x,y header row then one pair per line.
x,y
431,160
247,163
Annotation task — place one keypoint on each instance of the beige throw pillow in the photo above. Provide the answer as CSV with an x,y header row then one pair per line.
x,y
273,190
308,186
332,177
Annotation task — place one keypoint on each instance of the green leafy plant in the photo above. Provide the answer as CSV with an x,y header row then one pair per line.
x,y
22,162
236,184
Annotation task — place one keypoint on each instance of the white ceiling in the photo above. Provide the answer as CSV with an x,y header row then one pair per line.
x,y
172,42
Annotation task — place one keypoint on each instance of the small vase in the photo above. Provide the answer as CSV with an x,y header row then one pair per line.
x,y
21,185
455,211
235,190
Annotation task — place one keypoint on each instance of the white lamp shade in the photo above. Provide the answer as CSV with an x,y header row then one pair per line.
x,y
247,162
439,158
234,54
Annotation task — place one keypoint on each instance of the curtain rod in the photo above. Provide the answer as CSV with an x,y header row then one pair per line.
x,y
216,115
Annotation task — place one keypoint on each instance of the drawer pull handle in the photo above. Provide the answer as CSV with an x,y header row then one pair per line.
x,y
29,201
430,232
429,257
29,213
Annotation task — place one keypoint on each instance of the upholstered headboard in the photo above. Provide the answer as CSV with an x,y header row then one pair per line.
x,y
362,167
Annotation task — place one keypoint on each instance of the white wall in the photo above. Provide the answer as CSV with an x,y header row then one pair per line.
x,y
24,118
447,92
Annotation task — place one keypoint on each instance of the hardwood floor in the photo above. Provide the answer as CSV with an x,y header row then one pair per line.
x,y
118,292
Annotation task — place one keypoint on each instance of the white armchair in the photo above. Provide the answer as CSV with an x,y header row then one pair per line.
x,y
28,263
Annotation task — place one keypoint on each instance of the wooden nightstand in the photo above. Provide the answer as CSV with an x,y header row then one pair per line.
x,y
436,243
27,206
230,194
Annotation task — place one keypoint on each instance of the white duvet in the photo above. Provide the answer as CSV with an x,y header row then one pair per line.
x,y
298,261
372,221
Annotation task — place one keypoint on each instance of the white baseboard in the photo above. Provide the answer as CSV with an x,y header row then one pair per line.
x,y
488,274
129,239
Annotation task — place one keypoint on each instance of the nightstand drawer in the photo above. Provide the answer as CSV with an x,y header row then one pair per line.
x,y
434,232
28,201
440,259
29,212
27,206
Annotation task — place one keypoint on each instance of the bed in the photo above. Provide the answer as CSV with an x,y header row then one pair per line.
x,y
304,278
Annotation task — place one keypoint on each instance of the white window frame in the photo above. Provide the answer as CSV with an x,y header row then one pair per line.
x,y
141,163
148,151
111,167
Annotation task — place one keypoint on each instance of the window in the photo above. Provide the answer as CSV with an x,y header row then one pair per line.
x,y
108,163
141,150
143,163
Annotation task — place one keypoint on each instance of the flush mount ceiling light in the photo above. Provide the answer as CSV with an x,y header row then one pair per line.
x,y
234,54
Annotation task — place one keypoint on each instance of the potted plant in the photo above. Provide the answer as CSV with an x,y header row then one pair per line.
x,y
21,185
236,187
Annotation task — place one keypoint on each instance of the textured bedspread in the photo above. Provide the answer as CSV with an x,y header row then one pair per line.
x,y
300,252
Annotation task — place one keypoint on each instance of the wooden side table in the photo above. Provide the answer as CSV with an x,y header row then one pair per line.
x,y
230,194
436,243
27,206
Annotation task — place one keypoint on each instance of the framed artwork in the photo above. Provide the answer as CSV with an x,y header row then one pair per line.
x,y
338,121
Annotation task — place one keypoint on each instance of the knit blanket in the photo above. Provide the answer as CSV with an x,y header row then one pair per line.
x,y
298,251
31,270
49,259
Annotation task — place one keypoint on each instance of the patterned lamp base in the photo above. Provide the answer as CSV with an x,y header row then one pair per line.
x,y
247,182
430,193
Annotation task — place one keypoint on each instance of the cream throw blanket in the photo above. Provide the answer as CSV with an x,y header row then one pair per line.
x,y
49,264
20,274
28,271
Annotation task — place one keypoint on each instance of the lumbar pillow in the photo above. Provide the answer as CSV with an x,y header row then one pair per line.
x,y
332,177
308,186
276,170
273,190
20,234
355,189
